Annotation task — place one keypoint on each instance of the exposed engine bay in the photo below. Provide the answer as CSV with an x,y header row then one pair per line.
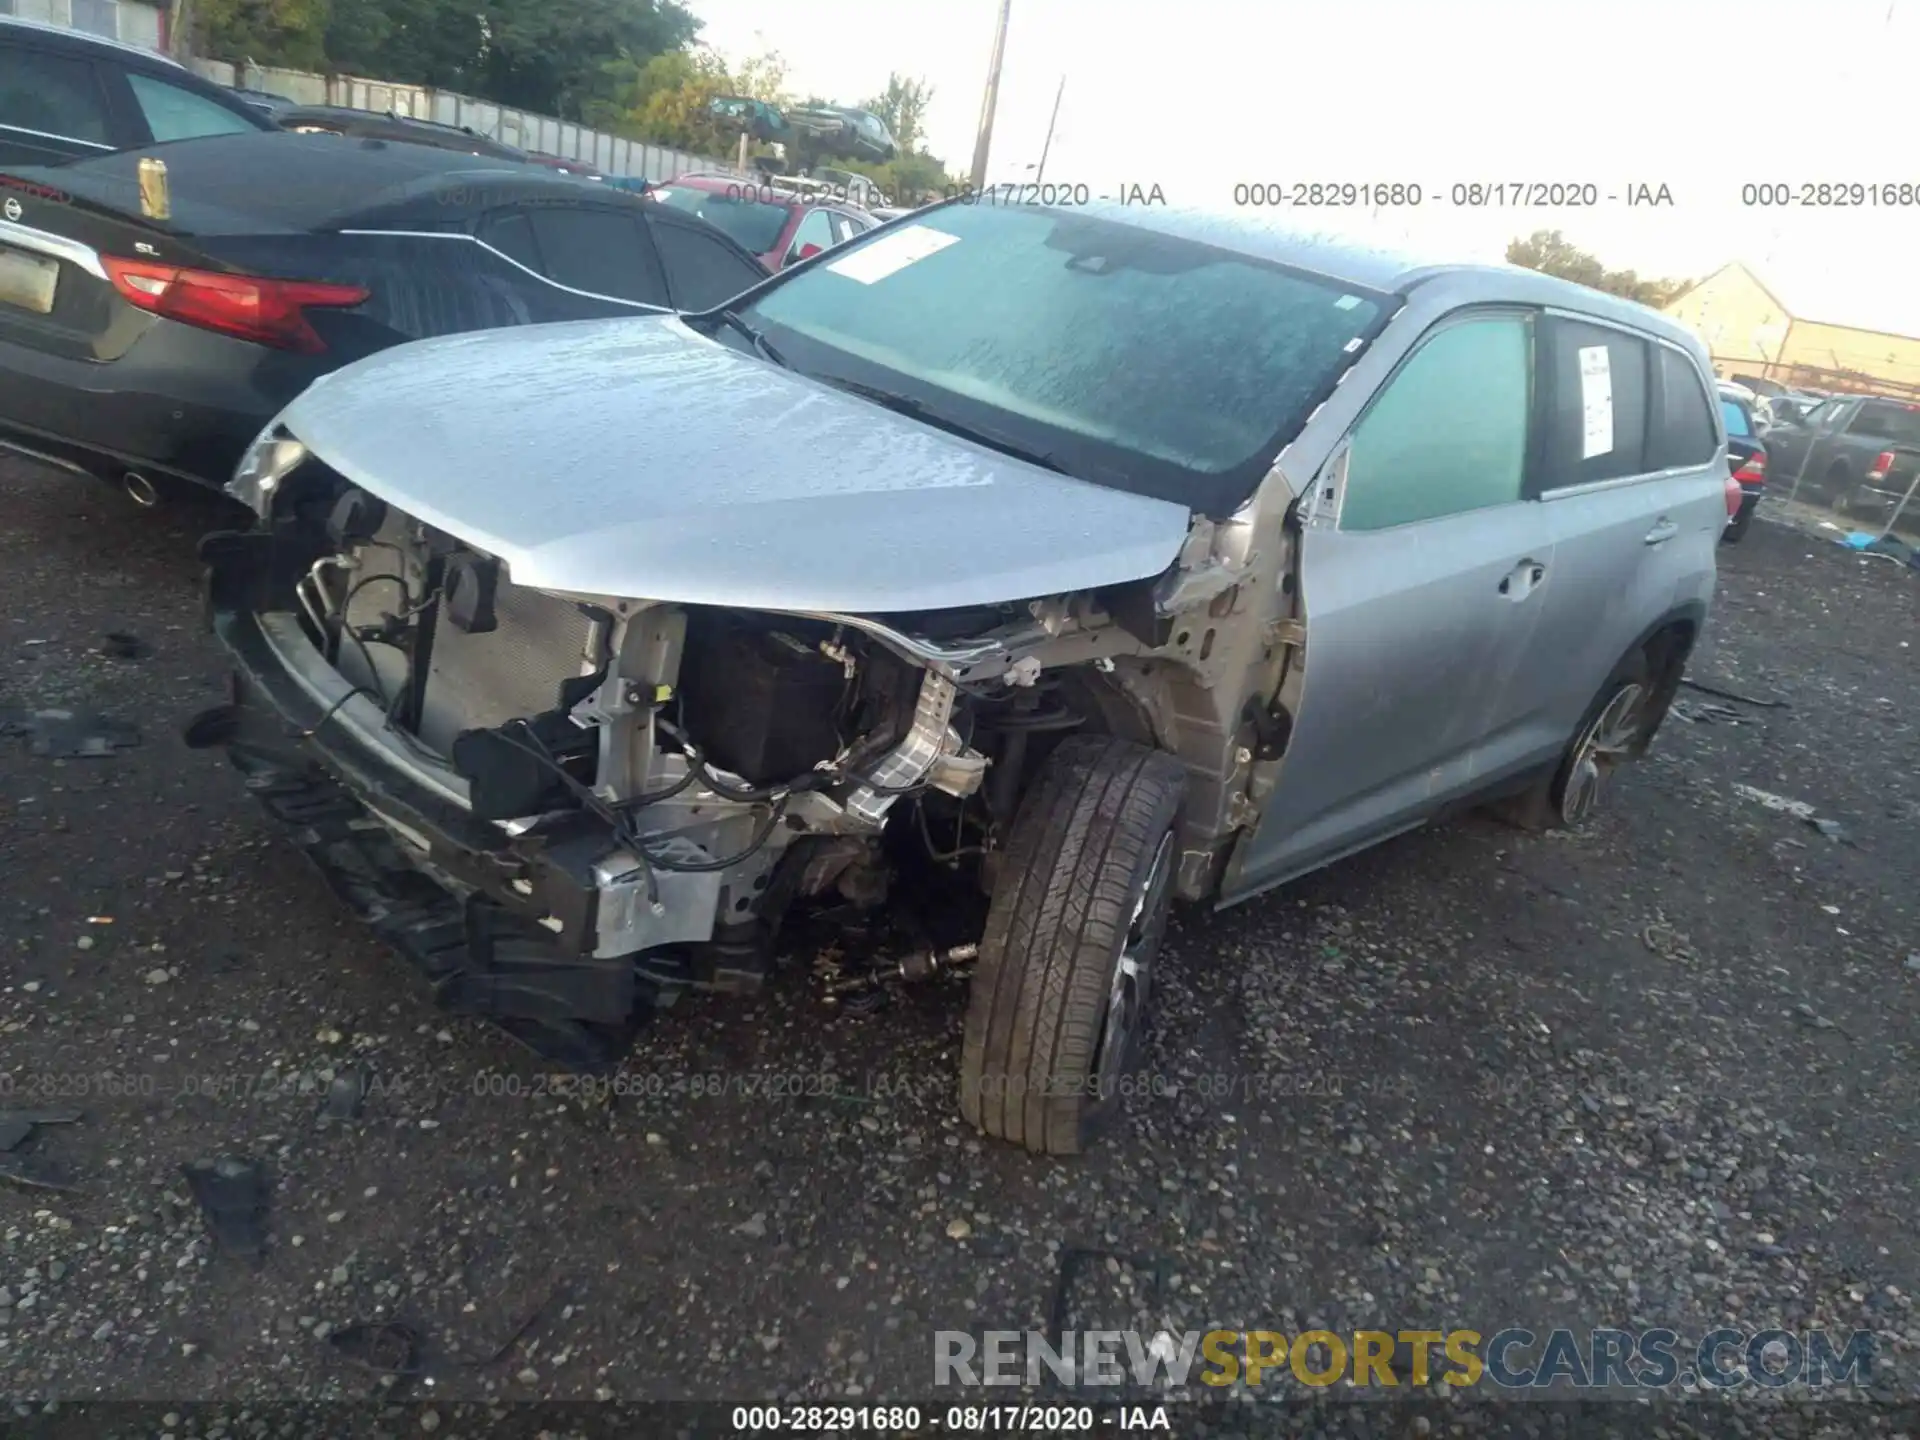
x,y
644,790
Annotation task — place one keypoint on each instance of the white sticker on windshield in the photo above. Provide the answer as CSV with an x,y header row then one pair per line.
x,y
878,259
1596,401
1346,302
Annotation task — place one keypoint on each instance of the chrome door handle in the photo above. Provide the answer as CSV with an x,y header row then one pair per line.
x,y
1664,531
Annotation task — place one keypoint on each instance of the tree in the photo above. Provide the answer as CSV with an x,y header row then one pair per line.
x,y
903,105
267,32
549,56
411,42
1551,253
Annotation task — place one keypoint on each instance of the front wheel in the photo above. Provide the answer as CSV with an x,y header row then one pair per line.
x,y
1059,999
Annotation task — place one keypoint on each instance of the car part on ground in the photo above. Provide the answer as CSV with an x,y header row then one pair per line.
x,y
970,621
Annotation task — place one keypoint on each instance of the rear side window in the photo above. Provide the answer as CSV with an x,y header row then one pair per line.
x,y
1683,423
1449,433
1735,416
173,113
53,94
601,252
701,271
1888,420
815,229
1597,415
511,233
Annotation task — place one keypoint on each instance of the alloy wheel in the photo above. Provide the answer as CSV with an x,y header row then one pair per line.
x,y
1607,741
1133,973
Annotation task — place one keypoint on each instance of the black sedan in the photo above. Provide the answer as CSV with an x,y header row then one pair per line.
x,y
67,95
140,346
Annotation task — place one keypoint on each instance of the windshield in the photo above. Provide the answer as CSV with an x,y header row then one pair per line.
x,y
753,224
1736,417
1124,356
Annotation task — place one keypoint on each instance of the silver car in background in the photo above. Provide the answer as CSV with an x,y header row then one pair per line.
x,y
1075,560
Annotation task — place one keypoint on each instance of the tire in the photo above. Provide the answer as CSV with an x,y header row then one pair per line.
x,y
1547,805
1054,1021
1842,488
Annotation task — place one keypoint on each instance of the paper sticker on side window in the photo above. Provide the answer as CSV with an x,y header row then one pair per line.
x,y
1596,401
882,257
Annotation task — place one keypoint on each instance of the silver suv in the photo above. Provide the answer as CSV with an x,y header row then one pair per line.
x,y
1041,566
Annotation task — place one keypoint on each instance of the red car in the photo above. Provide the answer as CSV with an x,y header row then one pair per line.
x,y
777,224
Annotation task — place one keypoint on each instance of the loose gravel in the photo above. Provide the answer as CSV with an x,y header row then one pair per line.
x,y
1660,1072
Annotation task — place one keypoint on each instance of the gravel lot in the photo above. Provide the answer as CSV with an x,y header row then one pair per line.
x,y
1660,1073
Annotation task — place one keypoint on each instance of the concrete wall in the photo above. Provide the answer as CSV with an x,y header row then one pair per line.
x,y
609,154
128,20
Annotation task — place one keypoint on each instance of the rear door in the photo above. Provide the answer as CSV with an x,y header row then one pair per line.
x,y
54,107
1423,593
703,267
1634,490
1798,455
599,251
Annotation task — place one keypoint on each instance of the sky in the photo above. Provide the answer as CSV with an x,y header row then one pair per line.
x,y
1701,96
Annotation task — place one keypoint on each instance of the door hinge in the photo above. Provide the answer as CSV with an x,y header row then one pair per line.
x,y
1291,633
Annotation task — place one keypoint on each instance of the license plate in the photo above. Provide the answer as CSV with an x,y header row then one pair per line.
x,y
27,280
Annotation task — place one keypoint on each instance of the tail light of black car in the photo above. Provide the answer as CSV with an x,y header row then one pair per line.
x,y
267,312
1882,466
1753,471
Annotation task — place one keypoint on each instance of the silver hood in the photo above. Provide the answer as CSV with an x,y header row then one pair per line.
x,y
638,458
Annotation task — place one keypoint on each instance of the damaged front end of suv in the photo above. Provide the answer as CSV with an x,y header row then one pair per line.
x,y
567,807
985,666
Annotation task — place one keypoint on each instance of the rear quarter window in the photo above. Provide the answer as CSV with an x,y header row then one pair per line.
x,y
1682,428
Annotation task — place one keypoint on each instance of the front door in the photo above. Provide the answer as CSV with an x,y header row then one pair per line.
x,y
1422,598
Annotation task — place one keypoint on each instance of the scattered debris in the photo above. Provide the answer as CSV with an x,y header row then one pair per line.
x,y
68,734
384,1346
1725,694
18,1170
1799,809
518,1332
17,1125
1913,962
232,1193
1832,829
1668,943
346,1094
1706,714
121,646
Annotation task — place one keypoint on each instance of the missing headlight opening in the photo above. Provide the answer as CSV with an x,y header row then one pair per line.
x,y
614,800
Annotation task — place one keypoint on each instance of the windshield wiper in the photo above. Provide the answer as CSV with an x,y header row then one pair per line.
x,y
917,409
759,340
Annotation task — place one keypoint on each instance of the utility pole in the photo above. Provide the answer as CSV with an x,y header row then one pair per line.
x,y
1040,173
991,100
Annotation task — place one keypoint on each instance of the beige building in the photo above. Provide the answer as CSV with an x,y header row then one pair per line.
x,y
1749,329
